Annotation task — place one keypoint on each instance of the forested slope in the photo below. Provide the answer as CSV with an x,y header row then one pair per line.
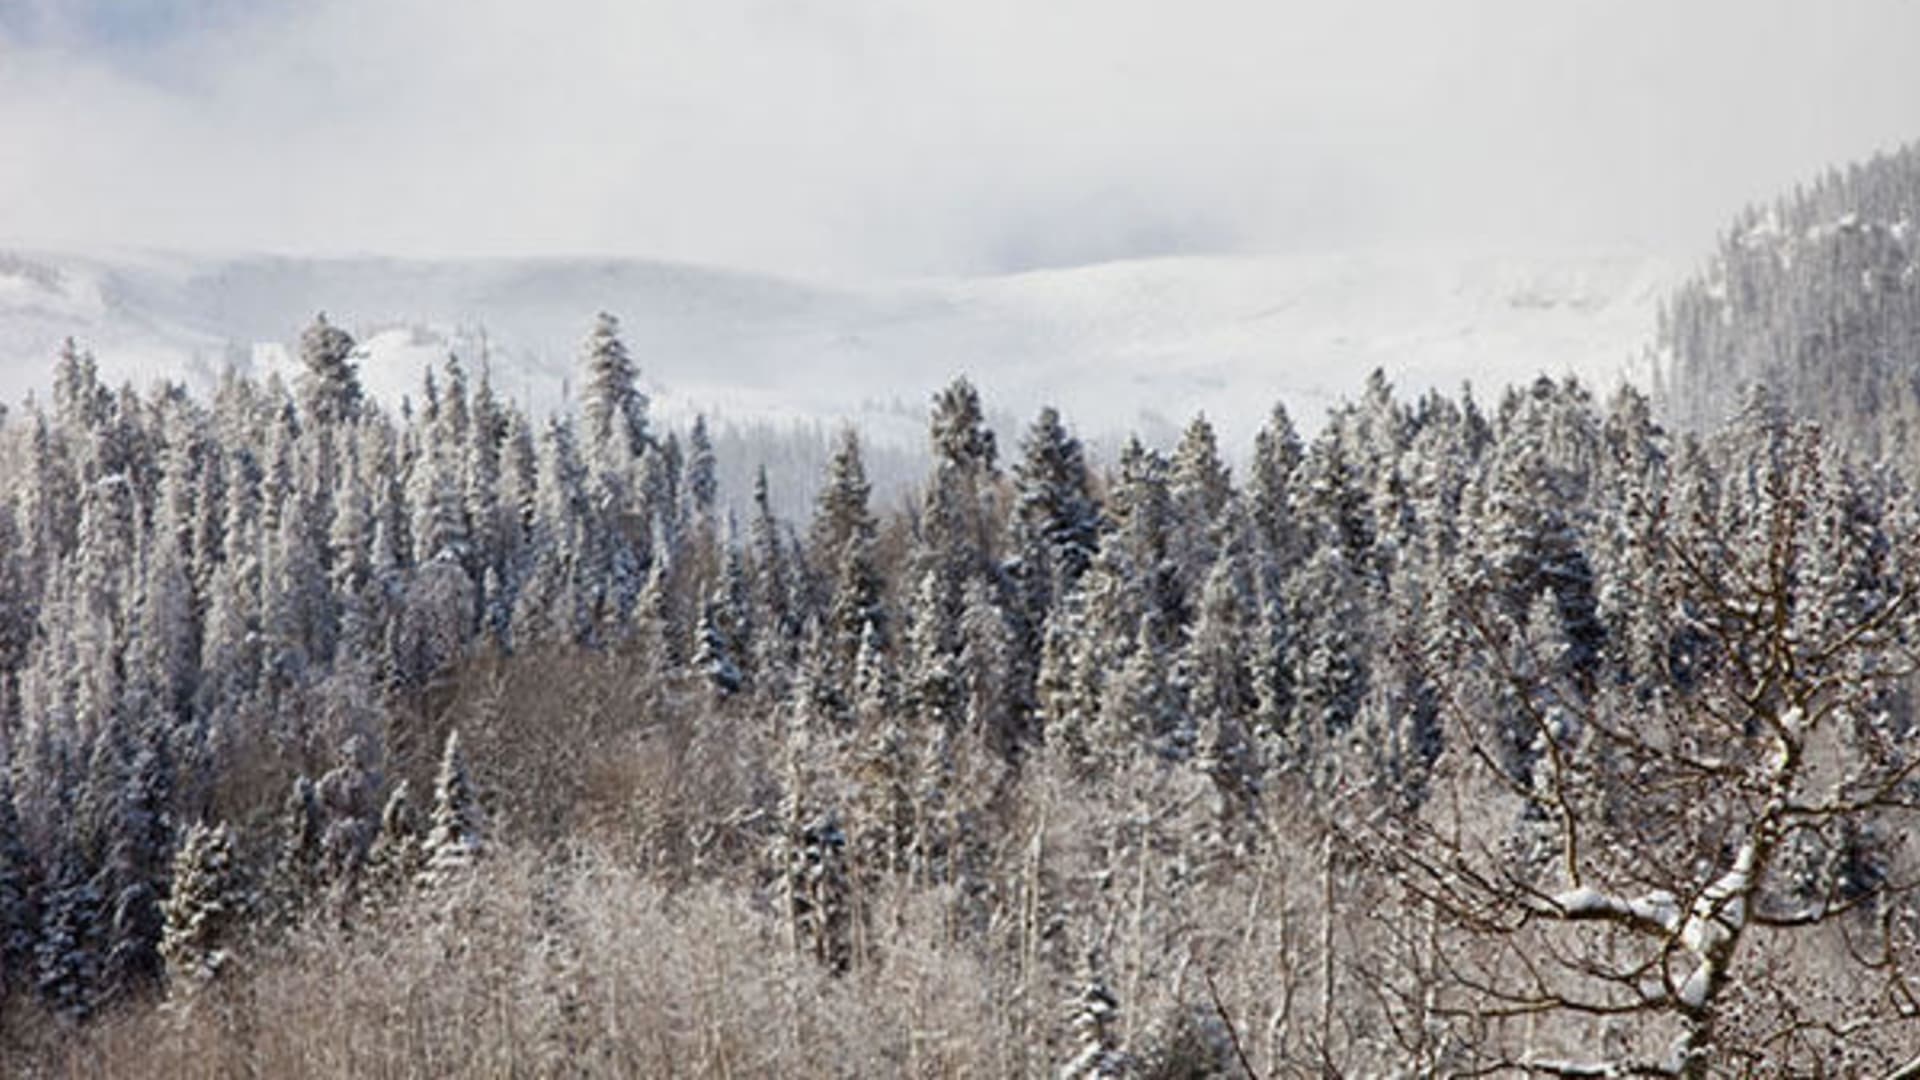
x,y
1463,736
1816,295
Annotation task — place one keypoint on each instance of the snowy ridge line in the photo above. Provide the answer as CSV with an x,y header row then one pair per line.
x,y
1136,346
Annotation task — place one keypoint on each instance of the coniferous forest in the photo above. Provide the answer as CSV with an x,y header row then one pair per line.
x,y
1818,296
1568,732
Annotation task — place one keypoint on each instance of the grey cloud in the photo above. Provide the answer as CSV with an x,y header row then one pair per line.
x,y
867,137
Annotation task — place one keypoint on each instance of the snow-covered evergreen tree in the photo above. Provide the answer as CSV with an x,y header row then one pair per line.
x,y
553,602
168,666
991,704
456,829
1327,655
703,486
1142,708
884,823
615,407
297,618
1054,505
437,493
961,438
956,523
841,515
491,532
713,649
1199,487
437,617
1067,687
1216,670
1533,529
99,611
1135,571
771,621
233,619
933,677
134,876
80,403
331,386
1277,454
1054,532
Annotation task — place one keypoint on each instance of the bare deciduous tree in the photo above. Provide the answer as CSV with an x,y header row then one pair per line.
x,y
1659,875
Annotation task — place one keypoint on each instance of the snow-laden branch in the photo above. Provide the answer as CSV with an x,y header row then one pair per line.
x,y
1656,912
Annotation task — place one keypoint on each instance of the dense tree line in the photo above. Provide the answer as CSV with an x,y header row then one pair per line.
x,y
1817,295
1589,720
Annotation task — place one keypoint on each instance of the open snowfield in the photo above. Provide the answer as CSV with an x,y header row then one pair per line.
x,y
1131,345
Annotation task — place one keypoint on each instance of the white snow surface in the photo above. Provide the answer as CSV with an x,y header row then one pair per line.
x,y
1693,992
1721,910
1127,346
1585,900
1659,908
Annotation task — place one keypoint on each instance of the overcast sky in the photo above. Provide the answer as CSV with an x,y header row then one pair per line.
x,y
879,137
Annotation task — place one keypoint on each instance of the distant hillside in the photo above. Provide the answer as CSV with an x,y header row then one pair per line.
x,y
1816,295
1136,345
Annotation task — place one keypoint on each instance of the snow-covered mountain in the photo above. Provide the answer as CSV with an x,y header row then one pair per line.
x,y
1135,345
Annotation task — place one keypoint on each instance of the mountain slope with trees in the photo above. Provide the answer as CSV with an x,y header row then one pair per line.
x,y
1816,295
1459,737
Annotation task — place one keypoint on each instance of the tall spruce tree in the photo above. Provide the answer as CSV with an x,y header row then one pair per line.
x,y
331,386
456,829
615,406
1199,486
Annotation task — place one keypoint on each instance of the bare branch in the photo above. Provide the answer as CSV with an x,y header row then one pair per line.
x,y
1233,1030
